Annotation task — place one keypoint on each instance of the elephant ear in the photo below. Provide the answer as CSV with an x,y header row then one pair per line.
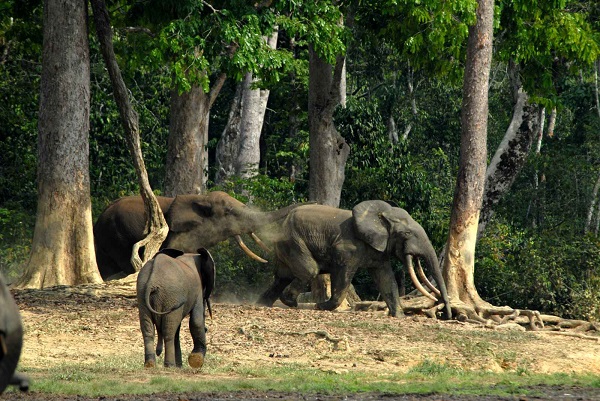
x,y
207,272
369,225
187,212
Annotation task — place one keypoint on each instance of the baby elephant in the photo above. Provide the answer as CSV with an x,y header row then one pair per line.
x,y
171,286
11,340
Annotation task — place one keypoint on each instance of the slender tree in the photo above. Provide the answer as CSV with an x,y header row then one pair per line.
x,y
328,149
511,154
238,150
156,227
62,251
459,263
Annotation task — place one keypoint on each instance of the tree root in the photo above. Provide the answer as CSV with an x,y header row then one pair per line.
x,y
491,316
326,336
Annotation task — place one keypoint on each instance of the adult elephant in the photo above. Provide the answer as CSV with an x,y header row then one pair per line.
x,y
195,221
11,340
321,239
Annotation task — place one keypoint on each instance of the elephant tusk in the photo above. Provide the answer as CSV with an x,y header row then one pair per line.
x,y
413,277
424,278
261,243
248,251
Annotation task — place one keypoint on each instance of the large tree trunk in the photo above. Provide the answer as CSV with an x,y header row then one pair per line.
x,y
187,157
511,155
187,161
156,227
328,149
62,251
238,150
460,250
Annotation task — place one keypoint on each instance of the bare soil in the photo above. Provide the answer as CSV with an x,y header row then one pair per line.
x,y
62,328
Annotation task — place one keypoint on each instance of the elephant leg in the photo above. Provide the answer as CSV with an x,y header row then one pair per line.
x,y
341,278
274,291
177,344
303,267
147,328
198,332
290,296
388,288
169,329
109,269
20,380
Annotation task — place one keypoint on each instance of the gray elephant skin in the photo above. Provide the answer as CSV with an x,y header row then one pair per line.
x,y
195,221
318,239
170,287
11,340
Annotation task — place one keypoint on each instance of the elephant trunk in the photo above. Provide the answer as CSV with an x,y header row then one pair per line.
x,y
433,265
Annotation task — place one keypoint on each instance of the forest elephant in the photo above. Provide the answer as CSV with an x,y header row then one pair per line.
x,y
171,286
11,340
195,221
318,239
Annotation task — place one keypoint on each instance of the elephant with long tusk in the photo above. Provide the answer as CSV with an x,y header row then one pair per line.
x,y
318,239
195,221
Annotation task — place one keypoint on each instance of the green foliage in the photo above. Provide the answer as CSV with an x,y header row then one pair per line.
x,y
112,174
431,34
316,23
20,69
558,275
378,169
548,38
16,229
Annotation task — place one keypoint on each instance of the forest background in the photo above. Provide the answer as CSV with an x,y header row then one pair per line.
x,y
401,121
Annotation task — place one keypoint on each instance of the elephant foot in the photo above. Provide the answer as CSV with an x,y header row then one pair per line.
x,y
150,361
266,301
292,303
327,305
196,360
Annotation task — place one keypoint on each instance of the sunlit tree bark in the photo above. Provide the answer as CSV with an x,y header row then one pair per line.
x,y
459,263
238,150
62,251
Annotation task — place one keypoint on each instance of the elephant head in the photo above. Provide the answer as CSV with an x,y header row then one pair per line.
x,y
195,221
392,230
201,221
11,339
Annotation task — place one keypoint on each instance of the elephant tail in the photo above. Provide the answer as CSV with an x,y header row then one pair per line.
x,y
149,306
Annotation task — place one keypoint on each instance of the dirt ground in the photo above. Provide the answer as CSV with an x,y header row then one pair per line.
x,y
62,328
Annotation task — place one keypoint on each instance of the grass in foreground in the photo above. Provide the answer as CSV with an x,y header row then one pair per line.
x,y
127,376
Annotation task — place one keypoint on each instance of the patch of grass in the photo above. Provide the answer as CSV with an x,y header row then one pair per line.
x,y
432,368
126,375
